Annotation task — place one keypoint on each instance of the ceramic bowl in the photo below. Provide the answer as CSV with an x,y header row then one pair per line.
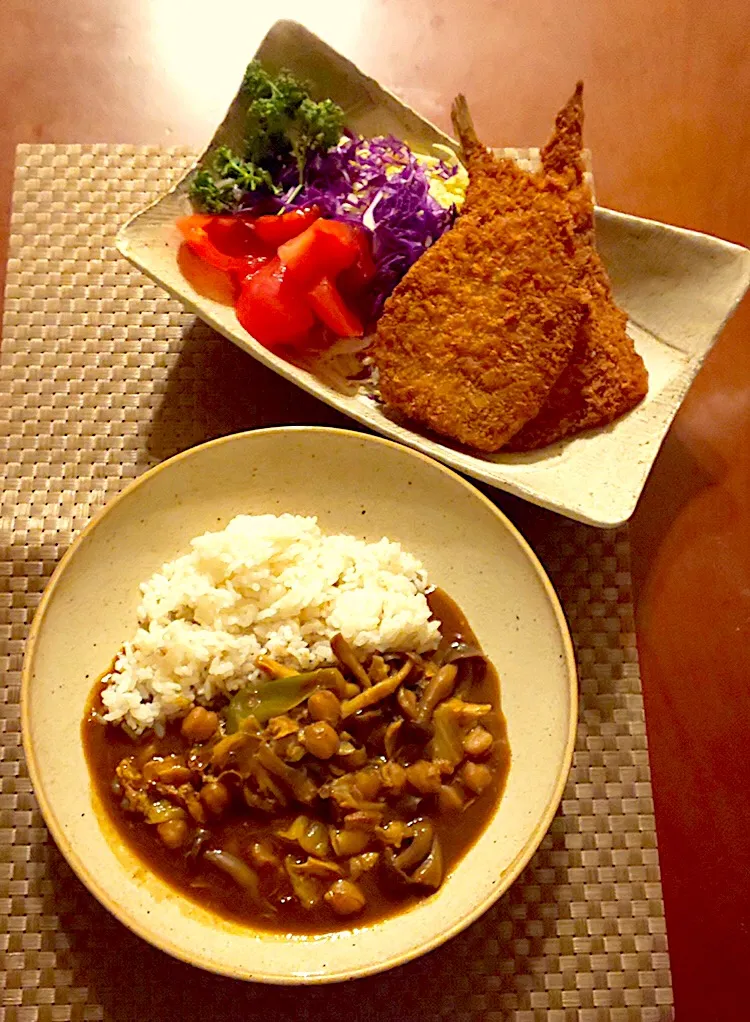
x,y
356,484
678,288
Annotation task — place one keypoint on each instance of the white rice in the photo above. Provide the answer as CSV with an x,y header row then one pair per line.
x,y
265,584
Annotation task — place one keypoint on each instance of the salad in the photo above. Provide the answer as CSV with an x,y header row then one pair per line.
x,y
314,225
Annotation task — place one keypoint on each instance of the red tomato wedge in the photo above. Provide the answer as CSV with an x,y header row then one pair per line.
x,y
326,302
248,267
275,230
356,278
273,309
325,249
226,242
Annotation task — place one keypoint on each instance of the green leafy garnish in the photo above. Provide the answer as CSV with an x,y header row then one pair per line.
x,y
282,120
221,187
317,127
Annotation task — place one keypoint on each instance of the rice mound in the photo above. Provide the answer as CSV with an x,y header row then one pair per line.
x,y
264,584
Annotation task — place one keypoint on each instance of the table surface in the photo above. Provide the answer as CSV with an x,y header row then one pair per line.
x,y
667,91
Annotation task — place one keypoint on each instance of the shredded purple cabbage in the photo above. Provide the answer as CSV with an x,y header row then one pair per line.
x,y
350,183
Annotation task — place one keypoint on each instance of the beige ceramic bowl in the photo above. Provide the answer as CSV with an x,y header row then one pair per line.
x,y
353,483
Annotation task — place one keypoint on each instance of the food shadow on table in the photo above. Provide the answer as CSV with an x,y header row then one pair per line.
x,y
495,964
214,389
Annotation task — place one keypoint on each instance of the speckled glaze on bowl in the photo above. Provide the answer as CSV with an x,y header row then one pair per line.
x,y
357,484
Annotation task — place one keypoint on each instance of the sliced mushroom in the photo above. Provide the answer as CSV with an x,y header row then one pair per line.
x,y
346,655
307,889
438,688
430,873
390,739
423,855
376,694
407,700
421,833
274,668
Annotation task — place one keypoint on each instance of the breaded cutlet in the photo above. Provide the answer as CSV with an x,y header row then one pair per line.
x,y
606,376
474,337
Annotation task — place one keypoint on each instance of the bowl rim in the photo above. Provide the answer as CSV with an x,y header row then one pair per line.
x,y
196,957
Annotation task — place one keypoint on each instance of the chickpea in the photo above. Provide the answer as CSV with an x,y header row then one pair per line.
x,y
320,740
151,769
450,799
345,898
478,742
378,669
200,724
263,855
349,842
394,777
369,783
476,776
355,758
147,752
424,777
215,797
173,833
325,705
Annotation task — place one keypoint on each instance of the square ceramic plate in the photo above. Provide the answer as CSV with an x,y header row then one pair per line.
x,y
678,288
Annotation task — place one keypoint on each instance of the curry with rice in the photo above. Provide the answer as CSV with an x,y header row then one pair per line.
x,y
314,801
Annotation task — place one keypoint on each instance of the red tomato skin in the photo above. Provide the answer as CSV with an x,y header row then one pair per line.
x,y
275,230
325,249
272,309
326,302
225,242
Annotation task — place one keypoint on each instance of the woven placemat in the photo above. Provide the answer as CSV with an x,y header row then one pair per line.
x,y
102,376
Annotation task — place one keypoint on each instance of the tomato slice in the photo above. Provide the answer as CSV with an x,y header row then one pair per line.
x,y
360,273
248,267
226,242
326,302
325,249
232,235
275,230
273,309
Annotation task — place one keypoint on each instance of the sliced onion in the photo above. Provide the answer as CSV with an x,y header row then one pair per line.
x,y
238,870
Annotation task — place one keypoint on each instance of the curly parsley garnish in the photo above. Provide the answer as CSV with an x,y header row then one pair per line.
x,y
282,121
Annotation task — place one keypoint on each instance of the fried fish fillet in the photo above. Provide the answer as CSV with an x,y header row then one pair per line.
x,y
476,334
605,377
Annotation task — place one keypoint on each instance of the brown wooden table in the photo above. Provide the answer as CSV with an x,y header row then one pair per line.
x,y
667,92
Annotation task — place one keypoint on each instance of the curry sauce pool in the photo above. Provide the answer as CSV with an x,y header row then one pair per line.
x,y
315,801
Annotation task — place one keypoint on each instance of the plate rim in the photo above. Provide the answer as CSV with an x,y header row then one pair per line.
x,y
197,958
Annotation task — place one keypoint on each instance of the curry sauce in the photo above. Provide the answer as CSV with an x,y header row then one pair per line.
x,y
246,833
